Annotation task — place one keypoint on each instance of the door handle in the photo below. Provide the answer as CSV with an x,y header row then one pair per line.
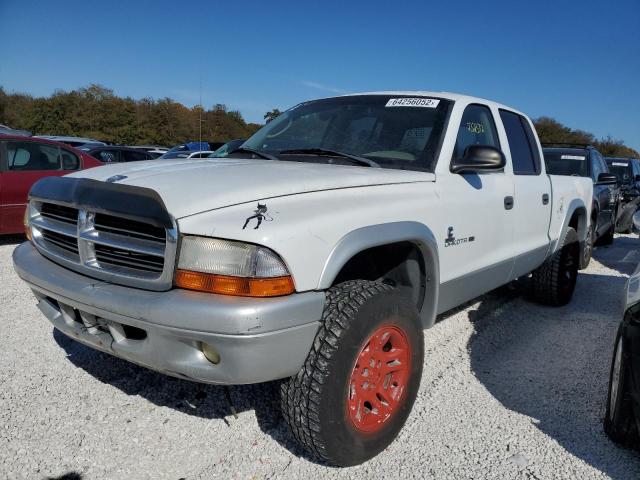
x,y
508,202
545,198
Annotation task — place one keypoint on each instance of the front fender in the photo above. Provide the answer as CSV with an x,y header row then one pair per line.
x,y
371,236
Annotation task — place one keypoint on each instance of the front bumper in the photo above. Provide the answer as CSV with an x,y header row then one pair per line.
x,y
258,339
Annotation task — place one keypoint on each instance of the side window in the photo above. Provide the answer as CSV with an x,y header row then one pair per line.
x,y
521,144
32,156
130,156
70,161
107,156
596,166
476,128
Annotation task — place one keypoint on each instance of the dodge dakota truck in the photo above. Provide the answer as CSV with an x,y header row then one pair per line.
x,y
315,254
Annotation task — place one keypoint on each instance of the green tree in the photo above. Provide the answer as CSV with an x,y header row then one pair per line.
x,y
271,115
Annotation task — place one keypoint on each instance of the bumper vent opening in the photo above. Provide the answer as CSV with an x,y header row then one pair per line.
x,y
134,333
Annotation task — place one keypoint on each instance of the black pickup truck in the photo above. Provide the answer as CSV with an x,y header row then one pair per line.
x,y
628,172
587,161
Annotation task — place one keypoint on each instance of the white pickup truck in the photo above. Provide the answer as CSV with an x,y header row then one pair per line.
x,y
316,253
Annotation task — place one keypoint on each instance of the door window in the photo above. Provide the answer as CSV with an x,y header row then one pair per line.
x,y
476,128
596,166
107,156
32,156
130,156
521,144
70,161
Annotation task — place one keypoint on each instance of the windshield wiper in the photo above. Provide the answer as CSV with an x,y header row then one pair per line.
x,y
330,153
266,155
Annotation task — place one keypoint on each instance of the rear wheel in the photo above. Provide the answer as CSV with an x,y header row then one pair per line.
x,y
358,385
554,281
619,420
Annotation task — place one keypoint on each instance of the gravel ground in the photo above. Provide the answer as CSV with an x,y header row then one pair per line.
x,y
510,390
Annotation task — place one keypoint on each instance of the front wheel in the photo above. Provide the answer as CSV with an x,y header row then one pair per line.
x,y
619,422
359,382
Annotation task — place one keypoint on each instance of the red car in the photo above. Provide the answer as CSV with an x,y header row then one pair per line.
x,y
23,161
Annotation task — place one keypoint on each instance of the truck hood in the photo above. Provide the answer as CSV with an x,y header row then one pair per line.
x,y
193,186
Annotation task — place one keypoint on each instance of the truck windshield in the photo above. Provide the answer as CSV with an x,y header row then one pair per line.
x,y
620,169
394,131
566,162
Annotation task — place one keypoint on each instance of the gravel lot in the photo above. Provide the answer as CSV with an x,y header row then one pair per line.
x,y
510,390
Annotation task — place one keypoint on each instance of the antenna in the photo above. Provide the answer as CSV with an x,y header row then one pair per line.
x,y
200,113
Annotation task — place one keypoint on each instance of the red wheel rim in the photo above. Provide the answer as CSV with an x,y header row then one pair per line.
x,y
379,379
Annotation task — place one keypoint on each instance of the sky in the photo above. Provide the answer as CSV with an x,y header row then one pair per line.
x,y
575,61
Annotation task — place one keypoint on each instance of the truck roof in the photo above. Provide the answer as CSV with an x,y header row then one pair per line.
x,y
446,95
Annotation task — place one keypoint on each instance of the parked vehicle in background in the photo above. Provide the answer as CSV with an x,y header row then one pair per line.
x,y
190,147
186,155
227,148
72,141
622,416
628,172
318,255
586,161
154,150
25,160
116,154
5,130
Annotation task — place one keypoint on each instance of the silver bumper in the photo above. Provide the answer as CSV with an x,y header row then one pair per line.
x,y
258,339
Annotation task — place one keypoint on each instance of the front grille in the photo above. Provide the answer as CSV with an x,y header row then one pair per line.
x,y
129,228
65,243
119,257
59,213
103,245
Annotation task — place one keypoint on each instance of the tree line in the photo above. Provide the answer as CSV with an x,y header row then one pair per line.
x,y
96,112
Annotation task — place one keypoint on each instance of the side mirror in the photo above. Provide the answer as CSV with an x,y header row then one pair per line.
x,y
607,179
479,159
636,220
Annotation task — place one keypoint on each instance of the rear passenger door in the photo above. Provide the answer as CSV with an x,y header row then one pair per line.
x,y
532,194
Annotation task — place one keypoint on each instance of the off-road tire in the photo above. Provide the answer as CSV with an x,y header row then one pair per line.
x,y
587,248
314,401
554,281
619,421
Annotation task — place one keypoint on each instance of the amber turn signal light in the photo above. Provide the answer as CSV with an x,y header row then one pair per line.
x,y
27,227
237,286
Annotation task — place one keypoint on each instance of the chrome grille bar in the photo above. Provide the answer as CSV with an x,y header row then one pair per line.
x,y
105,246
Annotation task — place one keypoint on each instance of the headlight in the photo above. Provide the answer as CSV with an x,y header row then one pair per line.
x,y
231,268
27,226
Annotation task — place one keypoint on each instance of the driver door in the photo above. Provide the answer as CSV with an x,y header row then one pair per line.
x,y
476,235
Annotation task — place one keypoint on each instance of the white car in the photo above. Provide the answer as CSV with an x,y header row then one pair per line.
x,y
317,253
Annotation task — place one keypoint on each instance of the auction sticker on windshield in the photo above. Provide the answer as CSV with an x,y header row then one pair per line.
x,y
413,102
572,157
